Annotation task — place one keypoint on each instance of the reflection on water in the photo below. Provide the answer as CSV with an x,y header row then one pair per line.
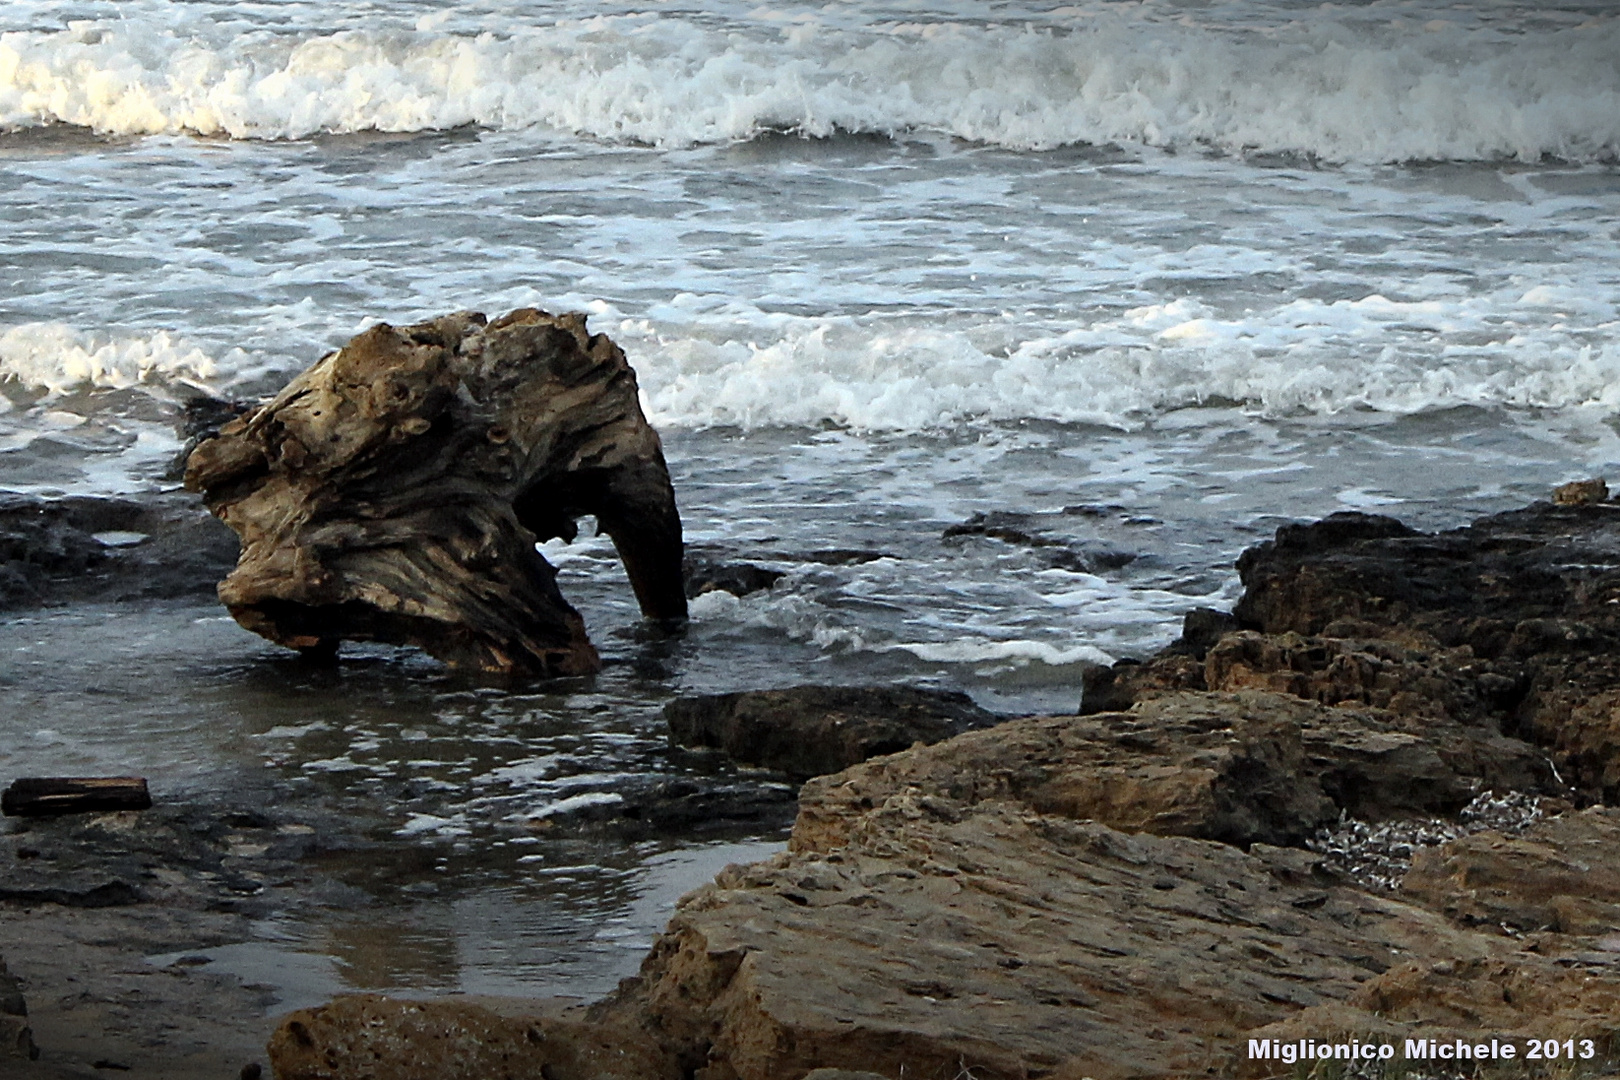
x,y
577,941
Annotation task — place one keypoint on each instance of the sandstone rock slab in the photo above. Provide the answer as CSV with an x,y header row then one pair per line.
x,y
945,936
1242,768
1559,874
366,1037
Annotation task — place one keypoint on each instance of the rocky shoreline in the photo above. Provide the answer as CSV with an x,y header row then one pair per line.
x,y
1372,804
1368,807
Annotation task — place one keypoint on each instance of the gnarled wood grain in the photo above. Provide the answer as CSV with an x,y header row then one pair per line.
x,y
395,491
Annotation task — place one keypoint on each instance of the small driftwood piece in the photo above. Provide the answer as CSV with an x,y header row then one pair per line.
x,y
50,796
395,492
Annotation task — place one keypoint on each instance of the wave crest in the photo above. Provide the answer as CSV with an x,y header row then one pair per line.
x,y
60,359
1338,92
1308,357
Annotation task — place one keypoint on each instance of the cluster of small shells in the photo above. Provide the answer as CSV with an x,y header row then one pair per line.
x,y
1378,856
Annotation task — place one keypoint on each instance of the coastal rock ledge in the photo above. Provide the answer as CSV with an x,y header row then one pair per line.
x,y
1141,891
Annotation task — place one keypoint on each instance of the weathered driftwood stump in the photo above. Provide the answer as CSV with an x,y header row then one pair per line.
x,y
396,490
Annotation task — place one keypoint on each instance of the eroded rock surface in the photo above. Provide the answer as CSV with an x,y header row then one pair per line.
x,y
395,491
1511,623
1243,768
1558,875
379,1038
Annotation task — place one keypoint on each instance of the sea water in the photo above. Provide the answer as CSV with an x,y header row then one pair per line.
x,y
1139,280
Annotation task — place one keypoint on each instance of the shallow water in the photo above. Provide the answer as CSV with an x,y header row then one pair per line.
x,y
1154,277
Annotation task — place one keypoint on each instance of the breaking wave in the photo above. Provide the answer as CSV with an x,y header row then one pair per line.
x,y
59,358
1306,358
1337,91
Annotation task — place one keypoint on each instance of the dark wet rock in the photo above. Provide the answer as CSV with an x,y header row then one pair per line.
x,y
710,568
1179,666
1524,605
1048,536
200,420
709,571
82,548
1128,680
1471,586
395,491
685,807
191,857
1201,629
690,806
105,894
839,556
806,731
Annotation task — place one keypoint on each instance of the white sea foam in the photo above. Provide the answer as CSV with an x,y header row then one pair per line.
x,y
1020,651
583,801
750,369
59,358
1340,90
434,825
1306,356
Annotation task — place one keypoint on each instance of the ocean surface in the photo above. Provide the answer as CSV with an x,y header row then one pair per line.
x,y
1139,280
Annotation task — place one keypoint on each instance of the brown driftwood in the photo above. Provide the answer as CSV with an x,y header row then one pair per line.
x,y
48,796
395,491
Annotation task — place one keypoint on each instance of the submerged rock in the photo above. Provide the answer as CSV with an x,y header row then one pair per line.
x,y
806,731
395,491
708,571
688,807
1051,536
85,548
